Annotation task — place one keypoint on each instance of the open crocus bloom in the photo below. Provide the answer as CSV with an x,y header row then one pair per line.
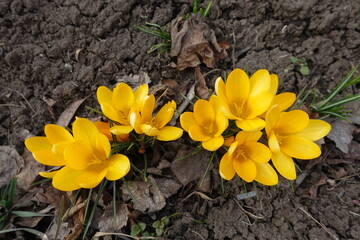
x,y
144,123
283,100
49,150
88,159
118,104
244,99
205,124
104,128
291,134
249,159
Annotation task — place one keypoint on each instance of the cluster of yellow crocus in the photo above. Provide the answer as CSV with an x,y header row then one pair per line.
x,y
85,157
252,103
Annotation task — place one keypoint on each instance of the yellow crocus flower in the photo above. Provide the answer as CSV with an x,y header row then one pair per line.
x,y
244,99
205,124
118,104
144,123
249,159
291,134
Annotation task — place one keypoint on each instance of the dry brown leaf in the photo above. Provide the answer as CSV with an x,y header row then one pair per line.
x,y
106,222
135,80
198,163
168,186
194,43
146,197
341,134
69,113
10,164
314,188
29,172
201,90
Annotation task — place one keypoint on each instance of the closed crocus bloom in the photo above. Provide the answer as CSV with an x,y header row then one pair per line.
x,y
88,160
291,134
118,104
49,150
244,99
144,122
249,159
205,124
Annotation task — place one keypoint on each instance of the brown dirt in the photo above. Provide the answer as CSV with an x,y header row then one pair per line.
x,y
63,50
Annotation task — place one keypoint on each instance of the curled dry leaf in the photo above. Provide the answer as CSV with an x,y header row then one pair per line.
x,y
341,134
10,164
193,43
202,91
69,113
146,197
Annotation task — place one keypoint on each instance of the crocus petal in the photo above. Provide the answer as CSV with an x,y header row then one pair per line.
x,y
147,109
65,179
37,143
187,120
120,130
103,148
213,143
228,141
221,123
315,130
56,134
284,100
198,134
237,87
60,147
47,157
118,166
260,82
292,122
204,113
104,95
104,128
300,147
226,168
273,143
78,155
245,136
271,118
92,176
274,83
48,174
165,114
85,130
245,168
149,130
135,121
251,124
169,133
284,164
141,92
265,174
257,152
258,104
220,89
122,97
111,113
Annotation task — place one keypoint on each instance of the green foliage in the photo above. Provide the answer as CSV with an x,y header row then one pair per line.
x,y
156,30
336,108
203,12
138,229
299,65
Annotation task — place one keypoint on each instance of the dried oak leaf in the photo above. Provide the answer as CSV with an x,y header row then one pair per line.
x,y
146,197
194,43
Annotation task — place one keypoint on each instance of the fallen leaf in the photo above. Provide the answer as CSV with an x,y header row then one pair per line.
x,y
106,222
198,163
194,43
146,197
201,90
69,113
314,188
341,134
10,164
64,230
168,186
355,111
135,80
29,172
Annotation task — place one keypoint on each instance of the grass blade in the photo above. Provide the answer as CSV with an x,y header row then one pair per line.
x,y
25,214
33,231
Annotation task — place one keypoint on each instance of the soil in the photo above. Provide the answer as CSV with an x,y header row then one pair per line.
x,y
53,53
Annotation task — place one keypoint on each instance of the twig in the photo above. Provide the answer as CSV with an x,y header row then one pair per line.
x,y
101,234
319,223
249,213
198,234
22,95
202,195
189,96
